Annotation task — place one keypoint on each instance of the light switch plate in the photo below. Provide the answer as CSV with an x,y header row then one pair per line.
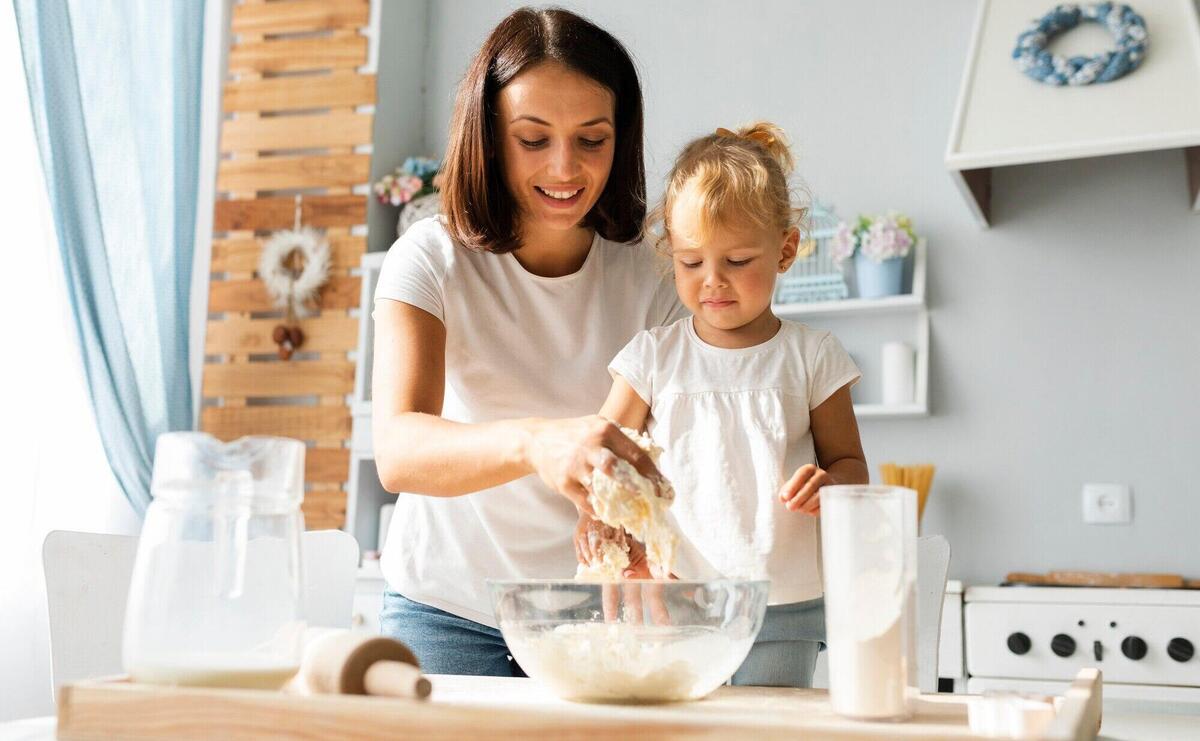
x,y
1107,504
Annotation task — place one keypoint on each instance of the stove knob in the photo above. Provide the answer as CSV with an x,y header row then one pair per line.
x,y
1019,643
1180,649
1062,645
1133,648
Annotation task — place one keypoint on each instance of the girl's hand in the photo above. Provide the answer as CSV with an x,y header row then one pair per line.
x,y
591,533
799,493
565,452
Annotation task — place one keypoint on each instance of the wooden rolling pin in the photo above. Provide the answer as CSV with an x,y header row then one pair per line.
x,y
358,663
1099,579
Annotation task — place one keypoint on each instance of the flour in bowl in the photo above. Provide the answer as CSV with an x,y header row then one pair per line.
x,y
619,662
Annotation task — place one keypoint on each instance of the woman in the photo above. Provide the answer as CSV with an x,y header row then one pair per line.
x,y
495,324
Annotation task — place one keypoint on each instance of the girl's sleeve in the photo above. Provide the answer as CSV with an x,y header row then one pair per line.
x,y
635,363
829,370
414,270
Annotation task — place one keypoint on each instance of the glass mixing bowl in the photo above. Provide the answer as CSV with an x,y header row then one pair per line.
x,y
636,641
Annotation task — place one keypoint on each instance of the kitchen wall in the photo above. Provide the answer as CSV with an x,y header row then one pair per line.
x,y
399,104
1065,345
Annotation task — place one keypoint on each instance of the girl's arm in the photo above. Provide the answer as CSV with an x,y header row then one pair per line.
x,y
418,451
840,458
624,406
835,435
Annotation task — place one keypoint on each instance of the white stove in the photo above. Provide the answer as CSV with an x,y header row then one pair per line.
x,y
1028,638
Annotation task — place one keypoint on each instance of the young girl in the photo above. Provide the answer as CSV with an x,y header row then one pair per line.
x,y
753,412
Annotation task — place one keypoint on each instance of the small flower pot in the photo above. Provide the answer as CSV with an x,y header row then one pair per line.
x,y
878,279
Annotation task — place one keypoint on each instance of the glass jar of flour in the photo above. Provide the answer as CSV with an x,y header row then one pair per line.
x,y
869,557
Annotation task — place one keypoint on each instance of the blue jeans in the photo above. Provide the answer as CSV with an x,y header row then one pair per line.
x,y
785,652
446,643
783,655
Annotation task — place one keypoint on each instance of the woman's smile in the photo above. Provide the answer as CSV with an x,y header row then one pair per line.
x,y
561,196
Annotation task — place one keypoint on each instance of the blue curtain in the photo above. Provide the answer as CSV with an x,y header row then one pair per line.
x,y
115,92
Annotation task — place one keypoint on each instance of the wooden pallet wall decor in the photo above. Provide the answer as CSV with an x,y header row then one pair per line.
x,y
297,119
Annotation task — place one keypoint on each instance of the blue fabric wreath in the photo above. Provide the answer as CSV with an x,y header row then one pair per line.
x,y
1127,28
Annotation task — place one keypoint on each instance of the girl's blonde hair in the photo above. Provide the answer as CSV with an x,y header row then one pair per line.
x,y
732,177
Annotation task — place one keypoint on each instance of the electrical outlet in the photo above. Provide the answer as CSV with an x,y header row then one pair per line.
x,y
1107,504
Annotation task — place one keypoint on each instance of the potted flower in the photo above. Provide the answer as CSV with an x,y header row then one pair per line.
x,y
878,245
408,181
413,188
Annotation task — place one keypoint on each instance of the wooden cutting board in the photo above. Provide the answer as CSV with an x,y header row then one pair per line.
x,y
491,707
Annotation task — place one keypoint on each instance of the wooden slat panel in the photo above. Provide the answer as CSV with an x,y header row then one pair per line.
x,y
341,292
278,173
303,423
287,378
247,135
241,255
253,336
327,465
261,214
296,55
337,90
340,129
324,509
303,15
321,522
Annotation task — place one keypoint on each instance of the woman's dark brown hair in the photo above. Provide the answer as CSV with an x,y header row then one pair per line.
x,y
480,212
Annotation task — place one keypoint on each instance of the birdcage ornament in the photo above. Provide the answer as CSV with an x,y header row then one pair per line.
x,y
814,276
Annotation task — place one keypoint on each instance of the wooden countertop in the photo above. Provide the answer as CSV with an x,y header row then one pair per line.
x,y
492,707
526,707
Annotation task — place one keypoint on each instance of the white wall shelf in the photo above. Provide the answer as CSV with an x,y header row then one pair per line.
x,y
898,411
852,306
864,324
371,264
365,494
1004,118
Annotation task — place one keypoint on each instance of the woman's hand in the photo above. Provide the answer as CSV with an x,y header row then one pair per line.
x,y
565,452
800,492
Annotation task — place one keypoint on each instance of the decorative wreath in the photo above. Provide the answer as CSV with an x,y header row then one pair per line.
x,y
293,266
1127,28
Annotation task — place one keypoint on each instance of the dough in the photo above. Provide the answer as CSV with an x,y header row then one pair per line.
x,y
629,500
611,565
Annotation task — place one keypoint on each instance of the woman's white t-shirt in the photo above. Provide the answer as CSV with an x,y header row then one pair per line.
x,y
734,425
517,345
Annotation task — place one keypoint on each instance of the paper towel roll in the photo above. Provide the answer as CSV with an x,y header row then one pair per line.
x,y
898,373
385,520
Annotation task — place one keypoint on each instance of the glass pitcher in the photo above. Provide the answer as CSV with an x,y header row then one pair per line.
x,y
869,557
215,598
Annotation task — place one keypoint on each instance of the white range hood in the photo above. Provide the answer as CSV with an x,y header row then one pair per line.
x,y
1004,118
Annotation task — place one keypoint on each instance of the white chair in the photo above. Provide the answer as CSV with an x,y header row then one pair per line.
x,y
87,582
933,563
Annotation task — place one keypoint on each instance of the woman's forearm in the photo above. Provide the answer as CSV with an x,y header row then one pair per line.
x,y
426,454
